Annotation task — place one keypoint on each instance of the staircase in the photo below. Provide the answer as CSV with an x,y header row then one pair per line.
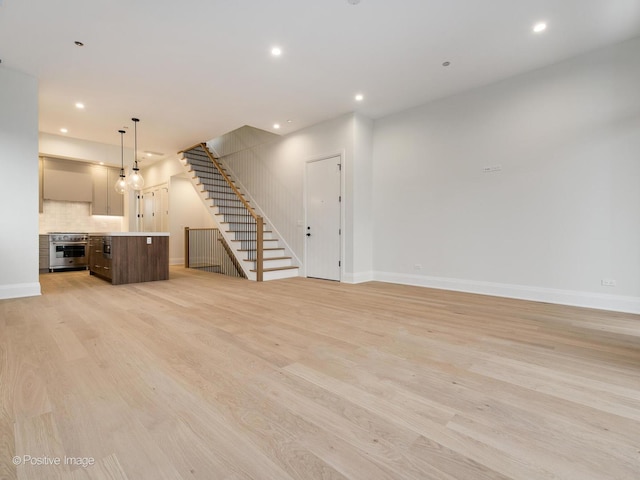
x,y
256,248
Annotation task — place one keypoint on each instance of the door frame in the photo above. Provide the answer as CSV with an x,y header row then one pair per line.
x,y
140,204
305,189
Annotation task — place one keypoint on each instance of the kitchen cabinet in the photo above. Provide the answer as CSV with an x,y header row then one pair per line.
x,y
129,257
66,180
106,201
44,253
99,258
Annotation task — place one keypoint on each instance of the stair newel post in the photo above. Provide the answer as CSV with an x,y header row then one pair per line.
x,y
259,248
186,247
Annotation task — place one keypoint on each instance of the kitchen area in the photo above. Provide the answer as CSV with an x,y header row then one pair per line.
x,y
83,225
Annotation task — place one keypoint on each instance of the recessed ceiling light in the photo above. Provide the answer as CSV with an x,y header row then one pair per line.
x,y
64,130
289,121
353,2
359,97
539,27
79,44
276,126
276,51
80,105
101,163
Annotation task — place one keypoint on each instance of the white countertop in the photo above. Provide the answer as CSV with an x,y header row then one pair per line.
x,y
129,234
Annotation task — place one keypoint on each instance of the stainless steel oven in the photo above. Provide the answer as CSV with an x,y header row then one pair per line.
x,y
68,250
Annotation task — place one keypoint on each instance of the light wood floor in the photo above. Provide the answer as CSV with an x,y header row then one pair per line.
x,y
208,377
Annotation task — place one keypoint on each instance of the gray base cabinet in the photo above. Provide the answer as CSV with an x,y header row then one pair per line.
x,y
44,253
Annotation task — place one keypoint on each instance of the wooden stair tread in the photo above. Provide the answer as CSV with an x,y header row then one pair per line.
x,y
276,269
269,259
264,249
264,240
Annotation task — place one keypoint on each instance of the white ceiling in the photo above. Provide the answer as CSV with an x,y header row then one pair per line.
x,y
194,69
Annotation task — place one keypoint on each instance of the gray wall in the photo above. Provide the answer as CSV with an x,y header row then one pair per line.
x,y
19,187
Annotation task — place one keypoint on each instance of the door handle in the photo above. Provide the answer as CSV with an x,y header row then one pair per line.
x,y
308,234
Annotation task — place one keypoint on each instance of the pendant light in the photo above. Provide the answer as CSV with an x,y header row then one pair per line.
x,y
135,180
121,183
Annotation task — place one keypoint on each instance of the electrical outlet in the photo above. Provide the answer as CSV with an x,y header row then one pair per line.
x,y
148,240
492,169
608,282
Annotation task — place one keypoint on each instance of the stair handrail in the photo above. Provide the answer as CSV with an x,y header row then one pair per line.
x,y
259,220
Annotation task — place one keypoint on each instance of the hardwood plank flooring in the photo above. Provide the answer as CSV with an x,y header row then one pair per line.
x,y
210,377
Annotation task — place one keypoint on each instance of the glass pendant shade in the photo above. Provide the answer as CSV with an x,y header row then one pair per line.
x,y
121,183
135,180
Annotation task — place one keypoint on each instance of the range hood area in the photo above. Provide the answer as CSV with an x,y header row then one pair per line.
x,y
77,181
78,196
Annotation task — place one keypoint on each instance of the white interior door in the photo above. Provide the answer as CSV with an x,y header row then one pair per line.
x,y
154,206
163,216
323,219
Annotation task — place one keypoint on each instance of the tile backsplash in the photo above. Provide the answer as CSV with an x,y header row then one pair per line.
x,y
76,217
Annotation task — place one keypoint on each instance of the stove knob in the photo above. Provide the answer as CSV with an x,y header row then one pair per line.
x,y
65,237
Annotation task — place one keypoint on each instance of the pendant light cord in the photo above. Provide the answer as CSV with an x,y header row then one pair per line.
x,y
121,132
135,143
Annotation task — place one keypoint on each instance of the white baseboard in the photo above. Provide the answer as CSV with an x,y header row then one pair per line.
x,y
616,303
18,290
359,277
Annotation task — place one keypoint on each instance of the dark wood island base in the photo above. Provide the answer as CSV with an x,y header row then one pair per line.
x,y
122,258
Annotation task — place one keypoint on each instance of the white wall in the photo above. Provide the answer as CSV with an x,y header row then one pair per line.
x,y
185,210
361,248
561,215
19,192
160,172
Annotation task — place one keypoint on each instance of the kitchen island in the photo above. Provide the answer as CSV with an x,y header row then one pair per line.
x,y
129,257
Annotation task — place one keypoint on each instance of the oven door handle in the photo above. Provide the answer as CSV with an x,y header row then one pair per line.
x,y
68,243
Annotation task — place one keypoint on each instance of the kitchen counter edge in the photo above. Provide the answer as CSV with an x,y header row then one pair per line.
x,y
129,234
